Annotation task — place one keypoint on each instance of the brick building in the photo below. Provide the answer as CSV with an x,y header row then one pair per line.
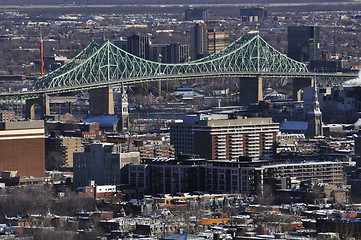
x,y
22,148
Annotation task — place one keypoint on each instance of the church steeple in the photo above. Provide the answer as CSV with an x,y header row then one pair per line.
x,y
124,113
314,117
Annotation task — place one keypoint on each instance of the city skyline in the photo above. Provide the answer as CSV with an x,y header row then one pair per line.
x,y
171,120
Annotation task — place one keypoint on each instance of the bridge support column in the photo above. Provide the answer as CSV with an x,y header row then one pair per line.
x,y
42,103
101,101
298,84
250,90
70,108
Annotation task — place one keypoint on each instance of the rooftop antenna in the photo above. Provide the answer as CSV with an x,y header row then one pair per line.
x,y
41,53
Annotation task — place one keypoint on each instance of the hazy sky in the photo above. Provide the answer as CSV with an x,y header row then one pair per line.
x,y
26,2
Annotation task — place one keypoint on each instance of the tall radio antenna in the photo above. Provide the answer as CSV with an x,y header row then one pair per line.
x,y
41,53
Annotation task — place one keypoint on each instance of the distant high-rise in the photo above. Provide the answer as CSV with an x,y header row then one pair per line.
x,y
169,53
196,14
158,53
121,43
217,40
178,53
199,41
304,43
253,14
138,45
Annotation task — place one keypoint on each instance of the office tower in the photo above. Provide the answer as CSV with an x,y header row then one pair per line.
x,y
199,41
217,40
102,163
217,137
138,45
304,43
22,148
196,14
253,14
177,53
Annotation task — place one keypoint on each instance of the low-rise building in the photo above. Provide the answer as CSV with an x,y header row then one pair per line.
x,y
174,176
7,115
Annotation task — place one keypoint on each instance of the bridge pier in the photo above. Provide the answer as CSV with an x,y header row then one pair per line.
x,y
250,90
42,103
101,101
298,84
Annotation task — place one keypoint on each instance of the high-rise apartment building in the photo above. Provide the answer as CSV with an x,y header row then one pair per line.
x,y
304,43
199,41
22,147
169,53
217,137
158,53
177,53
138,45
121,43
217,40
196,14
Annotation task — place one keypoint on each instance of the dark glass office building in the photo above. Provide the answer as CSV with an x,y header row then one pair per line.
x,y
304,43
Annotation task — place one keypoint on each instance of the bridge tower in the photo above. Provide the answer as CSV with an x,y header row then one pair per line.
x,y
250,90
101,101
42,103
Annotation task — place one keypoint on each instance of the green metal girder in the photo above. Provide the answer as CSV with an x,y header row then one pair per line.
x,y
108,63
100,65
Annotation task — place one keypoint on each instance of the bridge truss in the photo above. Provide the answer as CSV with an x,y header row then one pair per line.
x,y
101,65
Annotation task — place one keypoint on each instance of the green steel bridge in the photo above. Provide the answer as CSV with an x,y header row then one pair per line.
x,y
103,65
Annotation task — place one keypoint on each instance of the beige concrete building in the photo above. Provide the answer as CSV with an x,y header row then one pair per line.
x,y
223,138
